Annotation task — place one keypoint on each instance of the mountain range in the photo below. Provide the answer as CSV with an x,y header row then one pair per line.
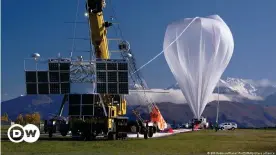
x,y
249,103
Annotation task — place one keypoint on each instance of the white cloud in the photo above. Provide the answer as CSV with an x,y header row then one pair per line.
x,y
171,95
261,83
265,83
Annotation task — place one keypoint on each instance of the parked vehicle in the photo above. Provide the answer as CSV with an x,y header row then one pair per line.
x,y
202,123
228,126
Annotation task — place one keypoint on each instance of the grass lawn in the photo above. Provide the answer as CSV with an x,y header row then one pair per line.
x,y
5,128
186,143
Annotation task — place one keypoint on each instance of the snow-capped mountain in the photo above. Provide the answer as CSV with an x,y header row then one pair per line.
x,y
230,89
262,88
244,87
138,86
224,88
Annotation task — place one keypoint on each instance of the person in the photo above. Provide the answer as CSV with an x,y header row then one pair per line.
x,y
211,126
216,127
192,125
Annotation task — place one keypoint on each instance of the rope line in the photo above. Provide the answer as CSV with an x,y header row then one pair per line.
x,y
74,31
132,67
165,48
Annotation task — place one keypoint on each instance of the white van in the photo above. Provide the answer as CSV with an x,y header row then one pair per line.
x,y
228,126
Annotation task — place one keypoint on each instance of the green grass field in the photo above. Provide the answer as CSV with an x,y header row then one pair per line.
x,y
199,142
5,127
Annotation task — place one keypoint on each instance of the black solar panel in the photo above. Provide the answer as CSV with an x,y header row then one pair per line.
x,y
101,66
87,98
101,76
112,76
65,66
112,88
30,76
43,88
87,110
101,88
74,109
53,66
112,73
65,88
54,88
111,66
65,77
31,88
123,88
54,76
54,81
74,99
123,66
123,76
42,76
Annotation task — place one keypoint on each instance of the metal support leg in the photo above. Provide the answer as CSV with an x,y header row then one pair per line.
x,y
65,97
101,100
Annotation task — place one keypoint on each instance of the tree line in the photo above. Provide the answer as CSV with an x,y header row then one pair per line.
x,y
32,118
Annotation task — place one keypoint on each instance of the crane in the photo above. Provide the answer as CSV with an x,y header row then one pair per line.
x,y
98,27
98,33
112,124
106,118
104,113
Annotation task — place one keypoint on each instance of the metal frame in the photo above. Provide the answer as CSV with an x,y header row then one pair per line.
x,y
101,101
55,60
79,63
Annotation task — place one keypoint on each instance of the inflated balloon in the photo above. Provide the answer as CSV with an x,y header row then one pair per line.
x,y
198,51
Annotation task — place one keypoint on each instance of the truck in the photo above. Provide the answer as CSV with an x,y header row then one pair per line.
x,y
200,123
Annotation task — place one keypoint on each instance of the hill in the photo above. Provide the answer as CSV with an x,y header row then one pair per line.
x,y
270,100
245,114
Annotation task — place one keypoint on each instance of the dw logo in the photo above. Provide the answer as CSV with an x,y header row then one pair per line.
x,y
29,133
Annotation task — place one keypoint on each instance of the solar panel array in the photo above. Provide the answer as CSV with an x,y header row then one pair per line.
x,y
86,105
111,78
54,81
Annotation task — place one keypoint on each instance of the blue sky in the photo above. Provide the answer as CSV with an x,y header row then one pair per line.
x,y
38,26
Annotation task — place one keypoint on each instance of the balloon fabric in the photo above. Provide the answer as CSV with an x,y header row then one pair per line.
x,y
198,50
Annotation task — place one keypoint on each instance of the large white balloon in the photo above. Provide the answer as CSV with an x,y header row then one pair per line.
x,y
198,51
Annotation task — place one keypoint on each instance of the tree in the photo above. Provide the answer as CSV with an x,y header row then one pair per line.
x,y
33,118
36,118
20,120
5,117
28,119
